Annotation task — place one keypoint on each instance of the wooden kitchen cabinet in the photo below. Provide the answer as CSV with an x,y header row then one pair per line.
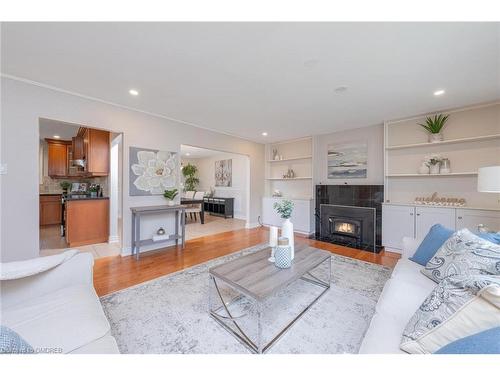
x,y
96,150
87,221
50,209
77,147
57,157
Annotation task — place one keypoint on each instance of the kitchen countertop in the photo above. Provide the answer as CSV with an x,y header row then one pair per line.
x,y
50,193
85,198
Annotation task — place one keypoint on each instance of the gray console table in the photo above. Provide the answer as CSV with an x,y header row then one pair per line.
x,y
137,212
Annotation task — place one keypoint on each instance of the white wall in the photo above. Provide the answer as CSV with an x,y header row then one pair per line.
x,y
22,106
374,137
238,190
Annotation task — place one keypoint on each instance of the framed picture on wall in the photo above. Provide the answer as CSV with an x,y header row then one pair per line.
x,y
151,172
347,160
223,172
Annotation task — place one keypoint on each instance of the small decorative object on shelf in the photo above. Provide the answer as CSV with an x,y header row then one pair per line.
x,y
289,174
277,193
445,166
285,209
160,232
65,185
424,168
275,154
170,196
211,193
434,200
283,253
93,189
273,241
434,163
434,126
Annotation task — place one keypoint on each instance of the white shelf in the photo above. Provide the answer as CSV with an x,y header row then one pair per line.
x,y
448,142
291,159
286,179
458,174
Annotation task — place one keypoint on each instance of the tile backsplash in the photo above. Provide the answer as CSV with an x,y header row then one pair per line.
x,y
51,185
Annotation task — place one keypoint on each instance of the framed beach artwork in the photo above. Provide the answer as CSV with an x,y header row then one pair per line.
x,y
347,160
223,173
151,172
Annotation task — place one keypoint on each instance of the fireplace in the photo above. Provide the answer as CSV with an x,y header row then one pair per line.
x,y
350,215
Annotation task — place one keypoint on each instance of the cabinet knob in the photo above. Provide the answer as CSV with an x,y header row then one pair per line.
x,y
411,213
418,214
460,217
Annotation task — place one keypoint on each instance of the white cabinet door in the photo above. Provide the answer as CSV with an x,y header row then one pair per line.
x,y
470,219
428,216
397,222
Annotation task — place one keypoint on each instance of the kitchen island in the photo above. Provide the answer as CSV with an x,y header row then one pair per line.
x,y
86,220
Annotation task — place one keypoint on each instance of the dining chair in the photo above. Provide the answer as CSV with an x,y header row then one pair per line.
x,y
195,208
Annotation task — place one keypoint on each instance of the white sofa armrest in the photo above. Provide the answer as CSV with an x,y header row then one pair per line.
x,y
410,245
77,270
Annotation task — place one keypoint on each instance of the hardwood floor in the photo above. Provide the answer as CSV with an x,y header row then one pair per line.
x,y
115,273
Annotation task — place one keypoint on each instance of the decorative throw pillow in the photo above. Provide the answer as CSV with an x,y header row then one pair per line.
x,y
464,253
434,239
458,307
12,343
486,342
490,236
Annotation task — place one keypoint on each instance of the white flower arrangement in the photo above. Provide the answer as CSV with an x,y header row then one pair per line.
x,y
433,159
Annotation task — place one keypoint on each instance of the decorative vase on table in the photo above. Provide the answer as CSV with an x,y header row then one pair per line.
x,y
287,232
445,166
283,254
170,202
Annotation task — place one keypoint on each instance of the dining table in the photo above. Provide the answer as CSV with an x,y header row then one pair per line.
x,y
201,202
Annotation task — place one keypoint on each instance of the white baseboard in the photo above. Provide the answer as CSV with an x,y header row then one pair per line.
x,y
252,225
113,239
295,231
240,216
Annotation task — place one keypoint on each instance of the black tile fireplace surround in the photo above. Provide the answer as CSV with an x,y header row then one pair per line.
x,y
339,221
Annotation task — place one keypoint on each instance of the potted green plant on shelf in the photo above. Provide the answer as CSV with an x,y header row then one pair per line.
x,y
190,180
434,126
65,185
170,196
93,189
284,208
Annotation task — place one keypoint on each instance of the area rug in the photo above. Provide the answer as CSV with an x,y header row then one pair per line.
x,y
170,314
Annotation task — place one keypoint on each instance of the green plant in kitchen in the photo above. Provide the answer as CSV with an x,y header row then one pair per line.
x,y
434,126
65,185
170,195
284,208
94,190
190,180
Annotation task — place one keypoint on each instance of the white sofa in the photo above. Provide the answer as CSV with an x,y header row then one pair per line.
x,y
403,293
58,309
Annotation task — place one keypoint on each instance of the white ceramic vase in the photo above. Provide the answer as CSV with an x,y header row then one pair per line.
x,y
435,137
423,169
434,168
170,203
287,231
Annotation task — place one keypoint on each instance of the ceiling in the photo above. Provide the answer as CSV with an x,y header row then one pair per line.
x,y
248,78
65,130
191,152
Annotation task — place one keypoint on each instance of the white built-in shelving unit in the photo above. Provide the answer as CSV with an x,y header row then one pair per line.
x,y
471,140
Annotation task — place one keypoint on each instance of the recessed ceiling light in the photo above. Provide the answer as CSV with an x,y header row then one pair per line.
x,y
264,134
187,154
57,136
133,92
438,92
341,90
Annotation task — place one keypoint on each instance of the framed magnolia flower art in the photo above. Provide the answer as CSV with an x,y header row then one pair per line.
x,y
152,172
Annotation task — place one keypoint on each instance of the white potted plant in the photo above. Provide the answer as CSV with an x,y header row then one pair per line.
x,y
170,196
434,163
285,209
434,126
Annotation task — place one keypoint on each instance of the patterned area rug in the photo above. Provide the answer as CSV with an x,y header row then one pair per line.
x,y
170,314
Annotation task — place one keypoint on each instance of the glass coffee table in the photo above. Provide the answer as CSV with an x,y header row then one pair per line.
x,y
258,302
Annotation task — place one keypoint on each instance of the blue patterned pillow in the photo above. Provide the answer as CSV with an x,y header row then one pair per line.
x,y
434,239
12,343
464,253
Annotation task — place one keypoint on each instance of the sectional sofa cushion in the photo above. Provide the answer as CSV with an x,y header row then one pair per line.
x,y
490,236
458,307
464,253
485,342
434,239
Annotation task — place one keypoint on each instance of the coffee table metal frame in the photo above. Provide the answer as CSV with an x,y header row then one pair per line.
x,y
258,346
